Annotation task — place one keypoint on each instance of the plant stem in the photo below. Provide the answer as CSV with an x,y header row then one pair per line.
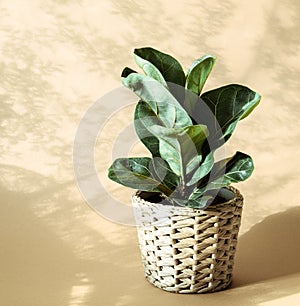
x,y
182,186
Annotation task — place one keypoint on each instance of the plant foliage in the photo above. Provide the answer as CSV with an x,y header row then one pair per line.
x,y
182,127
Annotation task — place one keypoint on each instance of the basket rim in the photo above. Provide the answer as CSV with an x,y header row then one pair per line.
x,y
236,201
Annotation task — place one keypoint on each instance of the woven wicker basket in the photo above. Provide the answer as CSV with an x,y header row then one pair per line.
x,y
187,250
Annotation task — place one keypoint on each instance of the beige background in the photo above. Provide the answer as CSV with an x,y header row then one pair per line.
x,y
57,58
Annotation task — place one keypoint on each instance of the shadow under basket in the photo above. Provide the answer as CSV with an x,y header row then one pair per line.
x,y
186,250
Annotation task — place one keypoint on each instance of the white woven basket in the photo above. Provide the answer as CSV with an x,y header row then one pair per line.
x,y
188,250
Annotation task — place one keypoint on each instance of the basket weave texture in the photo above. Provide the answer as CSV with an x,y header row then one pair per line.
x,y
188,250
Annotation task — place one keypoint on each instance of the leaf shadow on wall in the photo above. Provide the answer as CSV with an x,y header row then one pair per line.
x,y
49,244
270,249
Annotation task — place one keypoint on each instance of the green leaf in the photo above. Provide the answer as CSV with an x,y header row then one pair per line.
x,y
163,104
229,104
158,108
198,73
168,66
126,71
235,169
203,200
135,173
230,170
179,146
202,169
162,171
145,117
201,203
150,70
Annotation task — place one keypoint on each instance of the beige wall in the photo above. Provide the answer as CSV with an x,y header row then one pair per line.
x,y
57,58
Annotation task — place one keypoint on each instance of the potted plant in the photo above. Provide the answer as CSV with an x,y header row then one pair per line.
x,y
188,213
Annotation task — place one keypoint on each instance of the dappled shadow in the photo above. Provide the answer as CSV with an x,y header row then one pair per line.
x,y
59,57
55,248
34,261
51,248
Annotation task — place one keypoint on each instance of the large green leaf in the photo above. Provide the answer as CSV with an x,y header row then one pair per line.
x,y
168,66
161,101
135,173
158,107
229,104
198,73
231,170
235,169
179,146
150,70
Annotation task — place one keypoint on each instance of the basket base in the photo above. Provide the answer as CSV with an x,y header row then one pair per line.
x,y
205,289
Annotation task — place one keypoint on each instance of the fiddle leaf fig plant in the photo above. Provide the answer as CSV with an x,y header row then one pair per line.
x,y
182,128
